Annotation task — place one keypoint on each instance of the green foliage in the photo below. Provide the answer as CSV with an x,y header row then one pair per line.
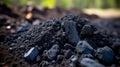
x,y
67,3
23,1
6,1
48,3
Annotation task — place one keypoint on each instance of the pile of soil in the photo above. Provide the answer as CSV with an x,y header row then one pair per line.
x,y
11,17
29,38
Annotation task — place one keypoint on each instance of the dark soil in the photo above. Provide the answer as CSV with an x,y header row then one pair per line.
x,y
30,37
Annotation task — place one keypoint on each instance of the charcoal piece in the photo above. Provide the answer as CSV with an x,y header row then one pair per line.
x,y
74,59
68,53
72,65
36,22
77,19
84,48
80,22
87,62
60,58
105,55
52,52
71,31
43,64
68,46
87,30
23,27
32,54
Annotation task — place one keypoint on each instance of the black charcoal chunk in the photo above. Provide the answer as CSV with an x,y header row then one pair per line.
x,y
68,46
32,54
74,59
87,30
36,22
72,65
105,55
68,53
60,58
87,62
84,48
43,64
77,19
71,31
52,52
23,27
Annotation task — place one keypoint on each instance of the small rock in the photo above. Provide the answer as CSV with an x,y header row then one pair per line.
x,y
87,30
36,22
12,44
68,53
72,65
71,32
52,52
74,59
84,48
105,55
68,46
32,54
22,47
59,58
53,62
23,27
87,62
43,64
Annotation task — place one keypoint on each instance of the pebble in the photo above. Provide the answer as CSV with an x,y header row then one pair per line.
x,y
32,54
74,59
105,55
87,30
53,52
68,53
87,62
84,48
23,27
68,46
72,65
36,22
71,31
59,59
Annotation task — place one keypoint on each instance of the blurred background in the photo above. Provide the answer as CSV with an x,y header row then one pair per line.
x,y
103,8
68,3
